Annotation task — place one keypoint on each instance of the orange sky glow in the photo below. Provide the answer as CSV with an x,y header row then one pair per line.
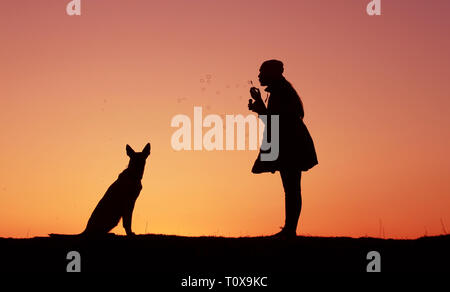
x,y
74,90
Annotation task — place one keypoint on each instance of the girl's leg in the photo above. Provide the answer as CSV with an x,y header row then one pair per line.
x,y
291,180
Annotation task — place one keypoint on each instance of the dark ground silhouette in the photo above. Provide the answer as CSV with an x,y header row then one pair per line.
x,y
175,256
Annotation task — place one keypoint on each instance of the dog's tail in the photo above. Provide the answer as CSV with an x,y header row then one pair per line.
x,y
85,234
55,235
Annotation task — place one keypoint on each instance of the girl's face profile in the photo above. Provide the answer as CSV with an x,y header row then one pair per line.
x,y
264,77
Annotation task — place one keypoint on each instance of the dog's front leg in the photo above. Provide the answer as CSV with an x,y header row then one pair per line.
x,y
126,219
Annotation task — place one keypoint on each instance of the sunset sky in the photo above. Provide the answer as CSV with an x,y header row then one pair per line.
x,y
74,90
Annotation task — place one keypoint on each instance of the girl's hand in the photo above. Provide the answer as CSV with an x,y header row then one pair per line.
x,y
257,107
251,105
255,93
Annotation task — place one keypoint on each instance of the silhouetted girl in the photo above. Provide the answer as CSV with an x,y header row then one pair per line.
x,y
296,147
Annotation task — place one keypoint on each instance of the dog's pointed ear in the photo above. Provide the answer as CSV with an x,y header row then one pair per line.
x,y
146,149
130,150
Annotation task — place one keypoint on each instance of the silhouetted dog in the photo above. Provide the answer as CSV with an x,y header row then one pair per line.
x,y
118,201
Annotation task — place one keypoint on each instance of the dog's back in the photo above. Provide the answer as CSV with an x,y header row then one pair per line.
x,y
118,201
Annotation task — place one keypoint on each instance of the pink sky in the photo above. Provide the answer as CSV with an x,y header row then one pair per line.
x,y
75,90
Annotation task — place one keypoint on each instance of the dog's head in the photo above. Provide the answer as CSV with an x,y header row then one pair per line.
x,y
137,159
